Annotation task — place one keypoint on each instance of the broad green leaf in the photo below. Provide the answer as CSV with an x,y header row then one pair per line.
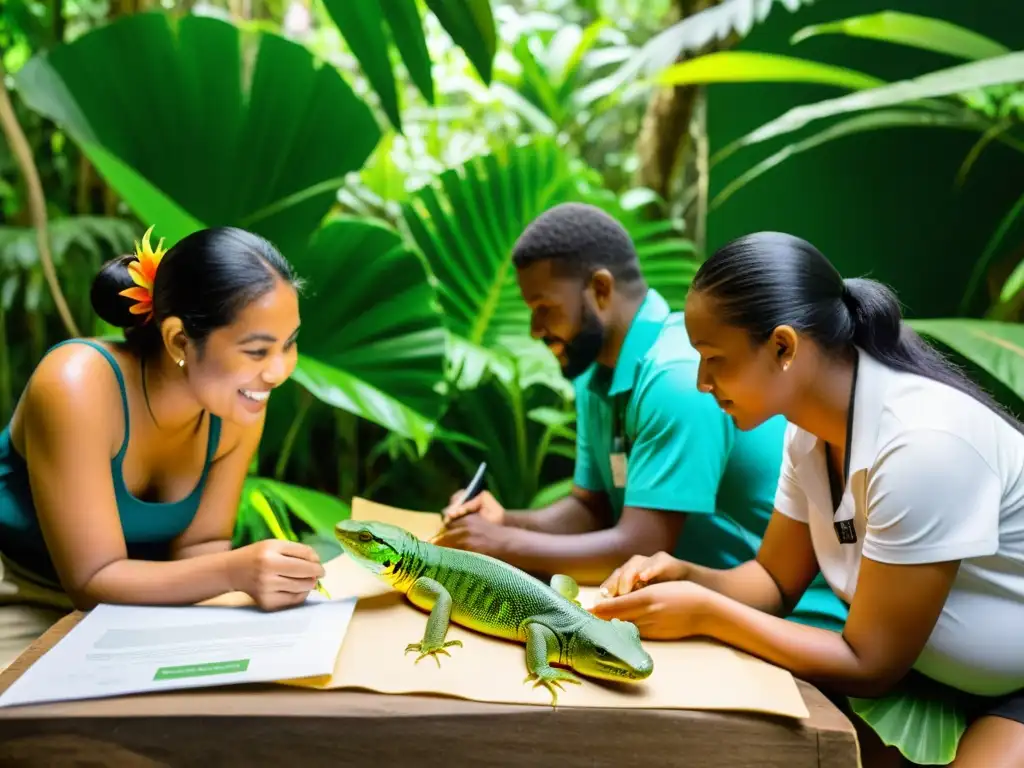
x,y
470,23
752,67
910,29
945,82
341,389
273,125
148,202
995,347
925,729
362,26
373,340
403,16
883,119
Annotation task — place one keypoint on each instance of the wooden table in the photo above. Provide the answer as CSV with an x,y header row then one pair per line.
x,y
273,725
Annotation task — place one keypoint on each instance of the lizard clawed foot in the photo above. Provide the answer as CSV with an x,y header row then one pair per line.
x,y
551,678
428,649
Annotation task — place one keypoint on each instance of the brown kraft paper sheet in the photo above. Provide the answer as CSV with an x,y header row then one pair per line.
x,y
690,674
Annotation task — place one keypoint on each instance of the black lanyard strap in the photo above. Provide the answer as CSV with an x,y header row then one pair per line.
x,y
620,439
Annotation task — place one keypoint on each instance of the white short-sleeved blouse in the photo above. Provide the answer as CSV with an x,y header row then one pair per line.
x,y
933,476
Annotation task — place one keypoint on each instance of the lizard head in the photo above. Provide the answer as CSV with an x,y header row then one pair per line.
x,y
610,650
378,547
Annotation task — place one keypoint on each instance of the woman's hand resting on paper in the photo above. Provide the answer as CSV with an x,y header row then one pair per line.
x,y
640,571
275,573
670,611
652,592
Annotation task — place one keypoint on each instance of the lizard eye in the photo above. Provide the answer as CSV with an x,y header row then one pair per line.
x,y
365,536
600,651
387,563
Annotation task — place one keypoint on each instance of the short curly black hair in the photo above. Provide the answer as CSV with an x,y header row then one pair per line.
x,y
578,239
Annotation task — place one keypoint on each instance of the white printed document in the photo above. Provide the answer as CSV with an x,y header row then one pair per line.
x,y
119,649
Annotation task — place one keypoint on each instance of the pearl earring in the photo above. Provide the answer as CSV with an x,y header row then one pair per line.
x,y
181,363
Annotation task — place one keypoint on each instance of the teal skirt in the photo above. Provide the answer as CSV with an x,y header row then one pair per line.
x,y
925,719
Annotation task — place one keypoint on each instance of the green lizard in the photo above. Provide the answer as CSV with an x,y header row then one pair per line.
x,y
495,598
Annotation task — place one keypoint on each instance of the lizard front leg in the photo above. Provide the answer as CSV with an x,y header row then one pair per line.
x,y
541,648
428,594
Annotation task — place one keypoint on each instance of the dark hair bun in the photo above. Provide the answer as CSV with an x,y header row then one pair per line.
x,y
113,278
876,313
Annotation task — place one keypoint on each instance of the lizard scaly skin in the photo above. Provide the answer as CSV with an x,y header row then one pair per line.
x,y
489,596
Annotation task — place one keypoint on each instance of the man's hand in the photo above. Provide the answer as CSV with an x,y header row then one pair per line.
x,y
476,534
484,504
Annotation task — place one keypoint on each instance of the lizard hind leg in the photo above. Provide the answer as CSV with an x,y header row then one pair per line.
x,y
567,587
541,646
428,594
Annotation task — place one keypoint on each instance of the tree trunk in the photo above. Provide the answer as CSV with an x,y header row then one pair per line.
x,y
11,129
127,7
672,128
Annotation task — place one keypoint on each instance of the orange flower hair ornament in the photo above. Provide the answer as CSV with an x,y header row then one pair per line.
x,y
143,273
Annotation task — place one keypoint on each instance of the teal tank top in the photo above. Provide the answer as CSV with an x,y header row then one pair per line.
x,y
149,527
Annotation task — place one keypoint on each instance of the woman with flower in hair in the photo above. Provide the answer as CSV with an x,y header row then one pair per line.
x,y
122,466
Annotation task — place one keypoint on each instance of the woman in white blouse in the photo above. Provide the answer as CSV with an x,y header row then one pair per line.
x,y
901,481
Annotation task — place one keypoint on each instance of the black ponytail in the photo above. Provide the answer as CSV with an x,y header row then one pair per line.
x,y
205,279
768,279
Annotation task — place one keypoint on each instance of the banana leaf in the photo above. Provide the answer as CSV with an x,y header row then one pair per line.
x,y
998,70
924,32
754,67
265,144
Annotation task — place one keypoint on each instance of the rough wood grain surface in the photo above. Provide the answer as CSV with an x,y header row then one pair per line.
x,y
273,725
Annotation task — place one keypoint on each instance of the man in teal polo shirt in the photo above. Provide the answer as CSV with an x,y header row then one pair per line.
x,y
659,466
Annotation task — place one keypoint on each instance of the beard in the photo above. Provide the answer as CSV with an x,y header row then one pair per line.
x,y
584,348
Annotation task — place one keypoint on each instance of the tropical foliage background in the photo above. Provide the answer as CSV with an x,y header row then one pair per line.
x,y
394,149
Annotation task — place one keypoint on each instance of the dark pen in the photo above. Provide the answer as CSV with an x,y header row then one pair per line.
x,y
476,484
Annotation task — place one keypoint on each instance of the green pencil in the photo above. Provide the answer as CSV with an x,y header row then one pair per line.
x,y
263,507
